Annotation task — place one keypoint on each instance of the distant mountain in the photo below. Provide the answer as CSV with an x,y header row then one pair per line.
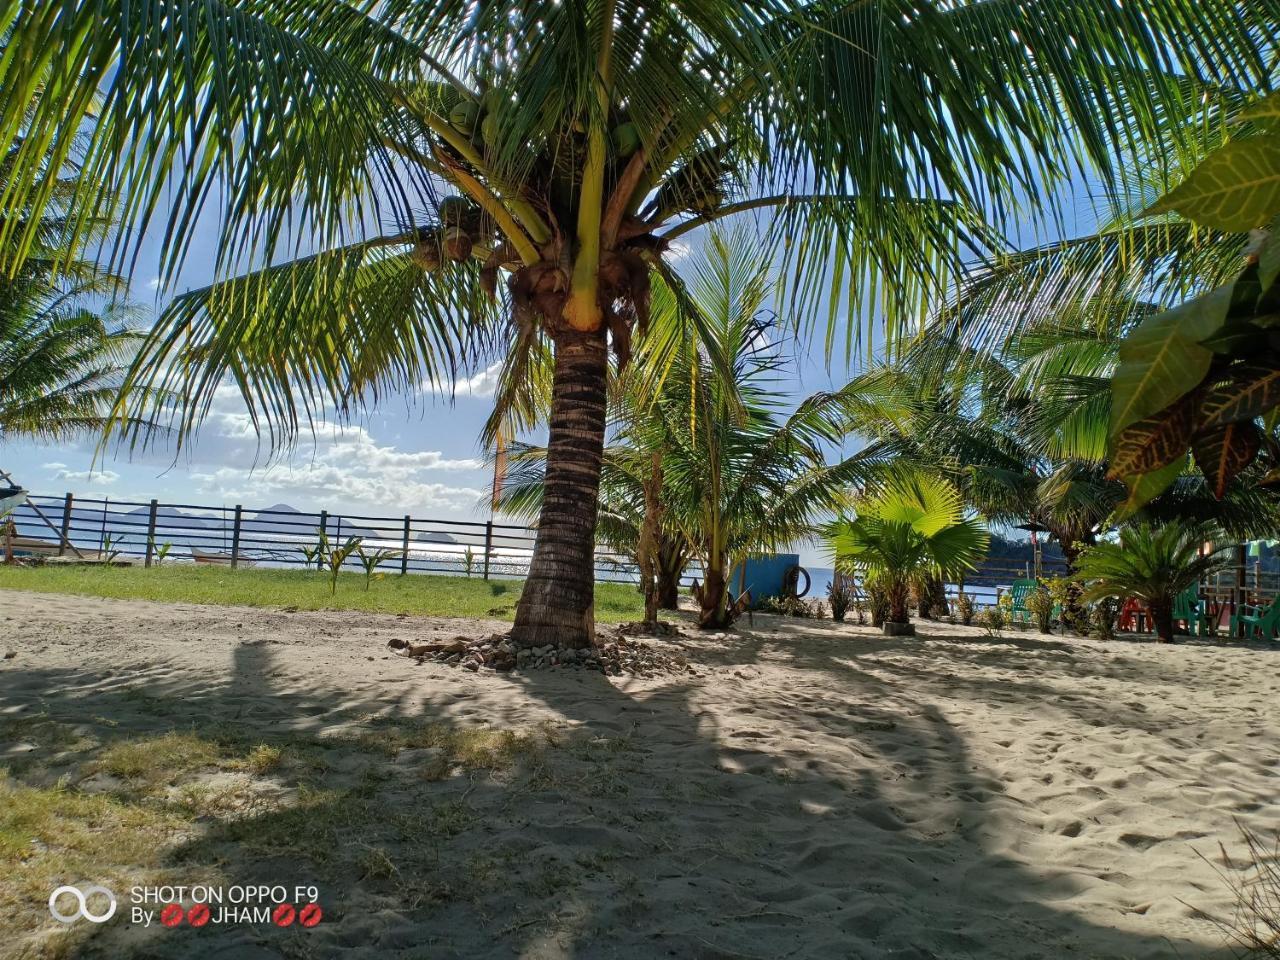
x,y
173,517
431,537
282,518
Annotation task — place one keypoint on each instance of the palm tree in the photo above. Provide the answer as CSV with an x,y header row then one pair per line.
x,y
567,146
1019,424
912,530
65,334
1153,564
706,464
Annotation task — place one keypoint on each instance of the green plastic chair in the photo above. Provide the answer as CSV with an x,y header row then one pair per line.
x,y
1264,621
1019,590
1193,611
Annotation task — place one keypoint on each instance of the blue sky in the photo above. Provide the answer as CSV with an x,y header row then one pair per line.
x,y
417,453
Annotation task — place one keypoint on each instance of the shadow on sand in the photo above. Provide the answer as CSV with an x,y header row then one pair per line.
x,y
633,825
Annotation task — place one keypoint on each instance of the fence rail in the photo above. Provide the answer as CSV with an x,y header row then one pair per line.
x,y
241,536
275,537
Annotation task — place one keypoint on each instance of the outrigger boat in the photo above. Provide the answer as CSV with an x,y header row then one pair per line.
x,y
212,556
11,497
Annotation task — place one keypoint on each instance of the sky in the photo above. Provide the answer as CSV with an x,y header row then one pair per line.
x,y
417,453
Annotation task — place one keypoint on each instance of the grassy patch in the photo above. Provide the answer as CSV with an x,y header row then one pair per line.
x,y
157,760
306,590
50,834
189,805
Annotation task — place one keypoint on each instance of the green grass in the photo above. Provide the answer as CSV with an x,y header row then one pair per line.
x,y
306,590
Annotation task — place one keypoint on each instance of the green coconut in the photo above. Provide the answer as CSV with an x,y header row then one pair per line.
x,y
454,210
465,115
491,130
626,139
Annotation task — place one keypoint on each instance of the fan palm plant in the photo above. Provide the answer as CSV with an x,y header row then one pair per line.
x,y
912,529
567,146
1153,564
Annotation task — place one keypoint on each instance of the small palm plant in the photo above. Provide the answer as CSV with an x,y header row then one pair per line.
x,y
333,557
913,529
159,551
371,560
1152,564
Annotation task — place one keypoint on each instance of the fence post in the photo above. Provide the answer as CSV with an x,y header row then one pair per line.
x,y
151,532
235,538
488,545
324,528
404,548
102,534
66,523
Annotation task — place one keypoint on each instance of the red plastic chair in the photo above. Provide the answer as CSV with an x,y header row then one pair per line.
x,y
1130,614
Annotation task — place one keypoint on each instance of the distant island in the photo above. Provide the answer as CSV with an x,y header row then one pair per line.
x,y
433,537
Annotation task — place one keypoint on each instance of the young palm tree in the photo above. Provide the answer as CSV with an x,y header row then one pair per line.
x,y
1153,564
566,146
706,463
911,530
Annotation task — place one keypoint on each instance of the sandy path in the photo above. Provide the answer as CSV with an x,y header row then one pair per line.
x,y
812,791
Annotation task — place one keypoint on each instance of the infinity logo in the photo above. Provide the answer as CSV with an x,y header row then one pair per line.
x,y
83,900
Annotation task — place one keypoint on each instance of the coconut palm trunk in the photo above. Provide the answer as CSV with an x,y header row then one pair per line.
x,y
1162,618
558,603
1074,614
714,598
671,560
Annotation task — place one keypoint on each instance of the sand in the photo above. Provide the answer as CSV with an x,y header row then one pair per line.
x,y
809,790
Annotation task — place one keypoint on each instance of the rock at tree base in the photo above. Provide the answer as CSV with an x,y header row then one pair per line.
x,y
614,653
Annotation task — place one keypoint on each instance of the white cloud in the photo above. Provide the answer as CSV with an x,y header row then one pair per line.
x,y
85,476
53,466
482,384
345,465
677,251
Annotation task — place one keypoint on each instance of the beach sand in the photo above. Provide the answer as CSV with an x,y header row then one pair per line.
x,y
808,789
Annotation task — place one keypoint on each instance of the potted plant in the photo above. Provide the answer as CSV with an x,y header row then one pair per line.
x,y
913,529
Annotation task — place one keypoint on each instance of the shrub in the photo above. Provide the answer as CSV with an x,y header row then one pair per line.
x,y
839,598
1102,618
878,605
1040,606
964,608
793,607
992,620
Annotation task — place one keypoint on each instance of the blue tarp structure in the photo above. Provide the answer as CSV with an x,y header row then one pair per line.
x,y
763,576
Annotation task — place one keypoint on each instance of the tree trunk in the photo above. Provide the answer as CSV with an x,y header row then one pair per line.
x,y
899,596
670,566
648,551
557,606
714,600
1074,616
1162,619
